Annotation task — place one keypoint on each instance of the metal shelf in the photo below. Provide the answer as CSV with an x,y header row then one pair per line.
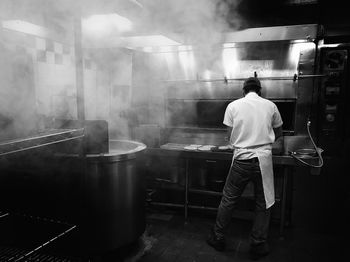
x,y
165,185
48,137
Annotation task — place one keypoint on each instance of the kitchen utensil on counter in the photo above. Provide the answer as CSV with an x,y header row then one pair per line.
x,y
222,149
206,147
192,147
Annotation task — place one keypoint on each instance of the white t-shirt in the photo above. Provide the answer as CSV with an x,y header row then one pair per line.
x,y
252,119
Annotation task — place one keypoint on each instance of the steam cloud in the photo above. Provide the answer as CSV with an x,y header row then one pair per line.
x,y
199,23
191,22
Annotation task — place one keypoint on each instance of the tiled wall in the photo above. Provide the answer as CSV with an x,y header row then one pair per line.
x,y
107,83
54,73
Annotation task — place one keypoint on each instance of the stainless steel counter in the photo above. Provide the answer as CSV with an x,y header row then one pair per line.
x,y
286,162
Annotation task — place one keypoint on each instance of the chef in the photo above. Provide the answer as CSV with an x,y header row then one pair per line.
x,y
254,124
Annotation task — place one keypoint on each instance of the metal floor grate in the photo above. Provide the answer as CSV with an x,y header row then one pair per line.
x,y
26,238
10,254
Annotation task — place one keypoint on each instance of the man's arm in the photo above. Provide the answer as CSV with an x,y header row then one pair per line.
x,y
228,134
278,133
277,147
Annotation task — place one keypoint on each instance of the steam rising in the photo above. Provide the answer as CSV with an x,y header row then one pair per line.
x,y
45,76
198,23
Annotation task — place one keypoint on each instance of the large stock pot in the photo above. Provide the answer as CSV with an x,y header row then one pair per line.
x,y
114,192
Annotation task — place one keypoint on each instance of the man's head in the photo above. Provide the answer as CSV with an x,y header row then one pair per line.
x,y
252,84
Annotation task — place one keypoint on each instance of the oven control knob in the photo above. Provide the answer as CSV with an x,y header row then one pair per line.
x,y
330,117
335,59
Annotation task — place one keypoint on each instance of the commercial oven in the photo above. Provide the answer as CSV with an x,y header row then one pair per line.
x,y
333,109
181,93
189,95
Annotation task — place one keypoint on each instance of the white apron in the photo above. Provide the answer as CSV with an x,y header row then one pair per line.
x,y
264,154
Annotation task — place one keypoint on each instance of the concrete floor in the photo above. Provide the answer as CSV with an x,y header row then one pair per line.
x,y
169,238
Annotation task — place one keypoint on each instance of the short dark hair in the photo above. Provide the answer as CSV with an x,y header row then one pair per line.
x,y
252,84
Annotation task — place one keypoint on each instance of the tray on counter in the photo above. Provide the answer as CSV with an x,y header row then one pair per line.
x,y
196,147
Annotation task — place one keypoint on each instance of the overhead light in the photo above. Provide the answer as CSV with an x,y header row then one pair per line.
x,y
229,45
298,41
149,41
329,45
147,49
25,27
184,48
106,24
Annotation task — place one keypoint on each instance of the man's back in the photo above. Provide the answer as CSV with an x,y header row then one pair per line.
x,y
252,119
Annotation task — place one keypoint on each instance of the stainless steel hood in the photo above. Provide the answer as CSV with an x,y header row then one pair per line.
x,y
307,32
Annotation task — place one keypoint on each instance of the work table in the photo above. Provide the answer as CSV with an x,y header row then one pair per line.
x,y
277,159
286,162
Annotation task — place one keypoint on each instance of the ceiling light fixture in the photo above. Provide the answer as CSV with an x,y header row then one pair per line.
x,y
101,25
149,41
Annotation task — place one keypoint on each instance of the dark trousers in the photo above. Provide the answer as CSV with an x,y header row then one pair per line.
x,y
239,175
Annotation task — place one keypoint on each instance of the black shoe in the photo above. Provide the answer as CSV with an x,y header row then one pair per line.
x,y
213,241
259,251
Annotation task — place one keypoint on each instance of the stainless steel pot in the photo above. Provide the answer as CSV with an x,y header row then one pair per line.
x,y
102,194
114,191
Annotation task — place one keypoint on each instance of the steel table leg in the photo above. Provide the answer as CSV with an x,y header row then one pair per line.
x,y
283,201
186,188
